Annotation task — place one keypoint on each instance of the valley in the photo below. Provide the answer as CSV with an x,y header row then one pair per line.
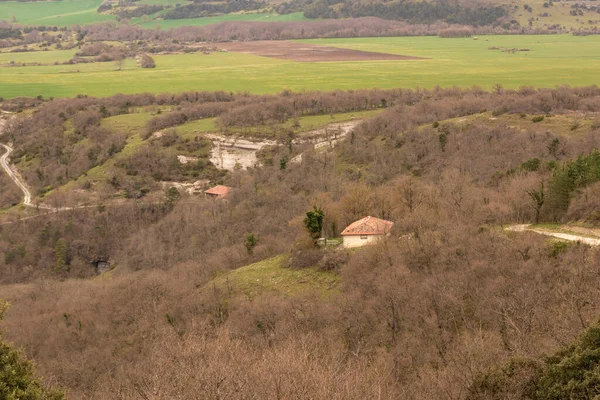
x,y
299,199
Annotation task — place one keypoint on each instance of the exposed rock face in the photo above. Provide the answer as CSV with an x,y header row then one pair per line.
x,y
102,265
230,153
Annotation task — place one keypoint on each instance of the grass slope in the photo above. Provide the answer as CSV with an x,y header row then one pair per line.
x,y
553,60
271,276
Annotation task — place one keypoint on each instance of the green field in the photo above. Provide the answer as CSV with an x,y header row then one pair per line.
x,y
39,57
82,12
552,60
254,17
53,13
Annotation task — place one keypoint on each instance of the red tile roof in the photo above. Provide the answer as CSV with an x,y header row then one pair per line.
x,y
218,190
369,226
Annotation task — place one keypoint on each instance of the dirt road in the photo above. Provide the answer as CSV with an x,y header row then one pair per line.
x,y
559,235
4,162
15,177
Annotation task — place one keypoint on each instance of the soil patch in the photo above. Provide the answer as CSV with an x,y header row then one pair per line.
x,y
303,52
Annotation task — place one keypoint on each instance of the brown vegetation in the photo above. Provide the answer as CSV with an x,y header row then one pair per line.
x,y
447,297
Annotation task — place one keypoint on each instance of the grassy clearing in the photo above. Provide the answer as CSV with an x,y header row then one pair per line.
x,y
317,121
192,128
559,124
300,125
271,276
553,60
130,124
53,13
102,173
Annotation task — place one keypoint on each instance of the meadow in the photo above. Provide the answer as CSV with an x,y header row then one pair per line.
x,y
552,60
253,17
83,12
53,13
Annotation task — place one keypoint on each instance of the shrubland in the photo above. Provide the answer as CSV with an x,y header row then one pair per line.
x,y
434,311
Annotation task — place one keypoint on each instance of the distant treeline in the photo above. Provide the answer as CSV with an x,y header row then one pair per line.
x,y
139,11
414,12
405,10
9,33
198,9
246,30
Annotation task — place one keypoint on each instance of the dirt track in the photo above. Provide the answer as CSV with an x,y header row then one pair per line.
x,y
559,235
303,52
16,178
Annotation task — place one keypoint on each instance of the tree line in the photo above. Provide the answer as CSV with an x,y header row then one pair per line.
x,y
413,12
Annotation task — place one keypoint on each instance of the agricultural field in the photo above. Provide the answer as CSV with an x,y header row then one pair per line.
x,y
84,12
53,13
253,17
551,60
529,14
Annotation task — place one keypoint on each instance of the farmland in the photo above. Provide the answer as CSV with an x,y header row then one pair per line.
x,y
84,12
552,60
254,17
49,13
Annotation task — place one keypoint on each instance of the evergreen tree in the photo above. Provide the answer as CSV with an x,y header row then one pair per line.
x,y
16,375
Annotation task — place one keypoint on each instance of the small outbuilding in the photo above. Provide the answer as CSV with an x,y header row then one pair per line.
x,y
368,230
218,192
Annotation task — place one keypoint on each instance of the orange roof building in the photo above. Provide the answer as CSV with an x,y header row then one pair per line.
x,y
218,192
367,230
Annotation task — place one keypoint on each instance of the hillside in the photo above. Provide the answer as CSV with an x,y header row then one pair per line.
x,y
167,294
165,14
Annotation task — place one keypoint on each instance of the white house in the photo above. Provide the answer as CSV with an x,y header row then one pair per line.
x,y
368,230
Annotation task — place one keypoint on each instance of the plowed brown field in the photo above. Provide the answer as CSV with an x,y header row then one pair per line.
x,y
303,52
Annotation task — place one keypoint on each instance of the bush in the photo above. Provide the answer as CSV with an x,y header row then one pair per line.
x,y
305,258
333,260
531,165
499,111
147,62
537,119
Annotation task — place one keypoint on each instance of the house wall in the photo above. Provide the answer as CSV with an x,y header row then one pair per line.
x,y
351,241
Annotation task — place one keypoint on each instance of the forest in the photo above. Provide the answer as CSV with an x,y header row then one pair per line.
x,y
454,305
422,12
414,12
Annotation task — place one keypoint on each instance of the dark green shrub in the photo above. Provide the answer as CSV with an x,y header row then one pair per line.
x,y
538,118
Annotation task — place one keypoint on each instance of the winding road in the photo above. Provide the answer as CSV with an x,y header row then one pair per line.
x,y
14,176
4,161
